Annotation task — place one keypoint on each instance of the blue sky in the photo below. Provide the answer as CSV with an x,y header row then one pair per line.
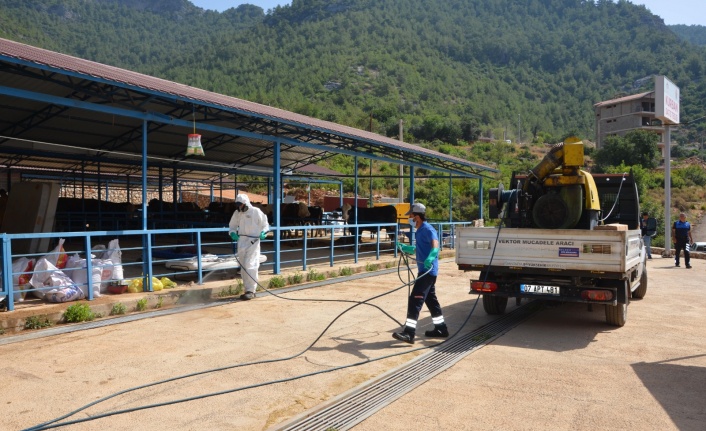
x,y
672,11
221,5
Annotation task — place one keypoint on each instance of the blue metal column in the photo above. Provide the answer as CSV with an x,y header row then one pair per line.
x,y
89,266
175,186
146,238
160,185
480,197
370,175
269,190
451,200
355,208
100,198
411,185
7,272
277,204
411,201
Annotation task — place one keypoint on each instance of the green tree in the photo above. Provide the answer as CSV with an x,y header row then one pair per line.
x,y
637,147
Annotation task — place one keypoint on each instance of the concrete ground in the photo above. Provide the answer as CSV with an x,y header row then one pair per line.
x,y
562,369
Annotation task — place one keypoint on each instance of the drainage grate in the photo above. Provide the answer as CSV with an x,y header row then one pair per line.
x,y
353,407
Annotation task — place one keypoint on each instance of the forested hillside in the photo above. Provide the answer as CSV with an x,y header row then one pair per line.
x,y
452,69
695,34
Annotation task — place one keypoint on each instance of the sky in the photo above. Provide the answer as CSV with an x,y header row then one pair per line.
x,y
673,11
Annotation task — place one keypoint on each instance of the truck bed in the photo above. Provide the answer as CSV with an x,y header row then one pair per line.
x,y
610,252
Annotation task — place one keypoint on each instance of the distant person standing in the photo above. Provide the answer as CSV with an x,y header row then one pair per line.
x,y
248,227
681,236
648,225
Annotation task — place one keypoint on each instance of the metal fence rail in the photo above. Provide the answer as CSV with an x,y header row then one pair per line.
x,y
141,249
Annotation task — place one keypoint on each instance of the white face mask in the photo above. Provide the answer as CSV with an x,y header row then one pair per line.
x,y
411,222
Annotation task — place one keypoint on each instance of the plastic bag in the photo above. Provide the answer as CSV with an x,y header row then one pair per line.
x,y
135,285
74,262
42,271
77,271
21,274
98,251
167,283
115,256
58,256
47,275
65,294
156,284
194,147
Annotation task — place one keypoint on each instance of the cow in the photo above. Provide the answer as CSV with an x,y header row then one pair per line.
x,y
220,212
378,215
92,214
291,214
316,215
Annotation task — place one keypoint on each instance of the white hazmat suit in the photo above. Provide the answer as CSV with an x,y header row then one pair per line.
x,y
249,223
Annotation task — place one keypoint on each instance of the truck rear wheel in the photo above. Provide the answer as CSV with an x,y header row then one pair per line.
x,y
616,315
640,292
494,304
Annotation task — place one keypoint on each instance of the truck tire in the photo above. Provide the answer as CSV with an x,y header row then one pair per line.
x,y
640,292
616,315
494,304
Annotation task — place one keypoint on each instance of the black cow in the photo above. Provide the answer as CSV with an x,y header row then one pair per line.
x,y
293,214
220,212
377,215
316,215
163,210
92,214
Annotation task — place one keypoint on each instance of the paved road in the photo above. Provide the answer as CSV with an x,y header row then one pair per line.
x,y
562,369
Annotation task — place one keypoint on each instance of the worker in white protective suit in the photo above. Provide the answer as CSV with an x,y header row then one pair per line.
x,y
248,227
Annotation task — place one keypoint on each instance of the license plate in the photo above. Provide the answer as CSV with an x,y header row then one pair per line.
x,y
541,290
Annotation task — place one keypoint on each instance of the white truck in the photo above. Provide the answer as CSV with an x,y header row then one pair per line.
x,y
568,236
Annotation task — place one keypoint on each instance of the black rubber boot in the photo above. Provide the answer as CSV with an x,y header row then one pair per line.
x,y
406,336
439,331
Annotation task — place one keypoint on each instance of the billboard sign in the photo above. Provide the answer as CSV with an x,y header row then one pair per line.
x,y
666,100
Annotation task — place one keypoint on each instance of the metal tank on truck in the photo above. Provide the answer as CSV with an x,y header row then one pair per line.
x,y
564,235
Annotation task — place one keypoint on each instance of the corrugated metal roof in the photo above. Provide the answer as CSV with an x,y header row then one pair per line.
x,y
237,134
623,99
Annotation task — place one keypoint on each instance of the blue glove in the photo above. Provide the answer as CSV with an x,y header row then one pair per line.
x,y
429,261
263,235
407,249
234,236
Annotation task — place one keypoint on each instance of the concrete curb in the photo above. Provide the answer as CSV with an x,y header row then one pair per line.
x,y
13,323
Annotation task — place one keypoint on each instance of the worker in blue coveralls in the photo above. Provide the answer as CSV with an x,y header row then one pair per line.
x,y
424,291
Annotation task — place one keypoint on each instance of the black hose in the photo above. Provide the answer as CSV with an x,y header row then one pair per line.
x,y
54,423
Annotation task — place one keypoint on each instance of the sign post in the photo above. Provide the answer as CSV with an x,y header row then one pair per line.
x,y
667,110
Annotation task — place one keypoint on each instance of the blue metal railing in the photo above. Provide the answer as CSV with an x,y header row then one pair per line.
x,y
145,258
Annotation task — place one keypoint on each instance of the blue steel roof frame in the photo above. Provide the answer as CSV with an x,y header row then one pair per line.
x,y
285,129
